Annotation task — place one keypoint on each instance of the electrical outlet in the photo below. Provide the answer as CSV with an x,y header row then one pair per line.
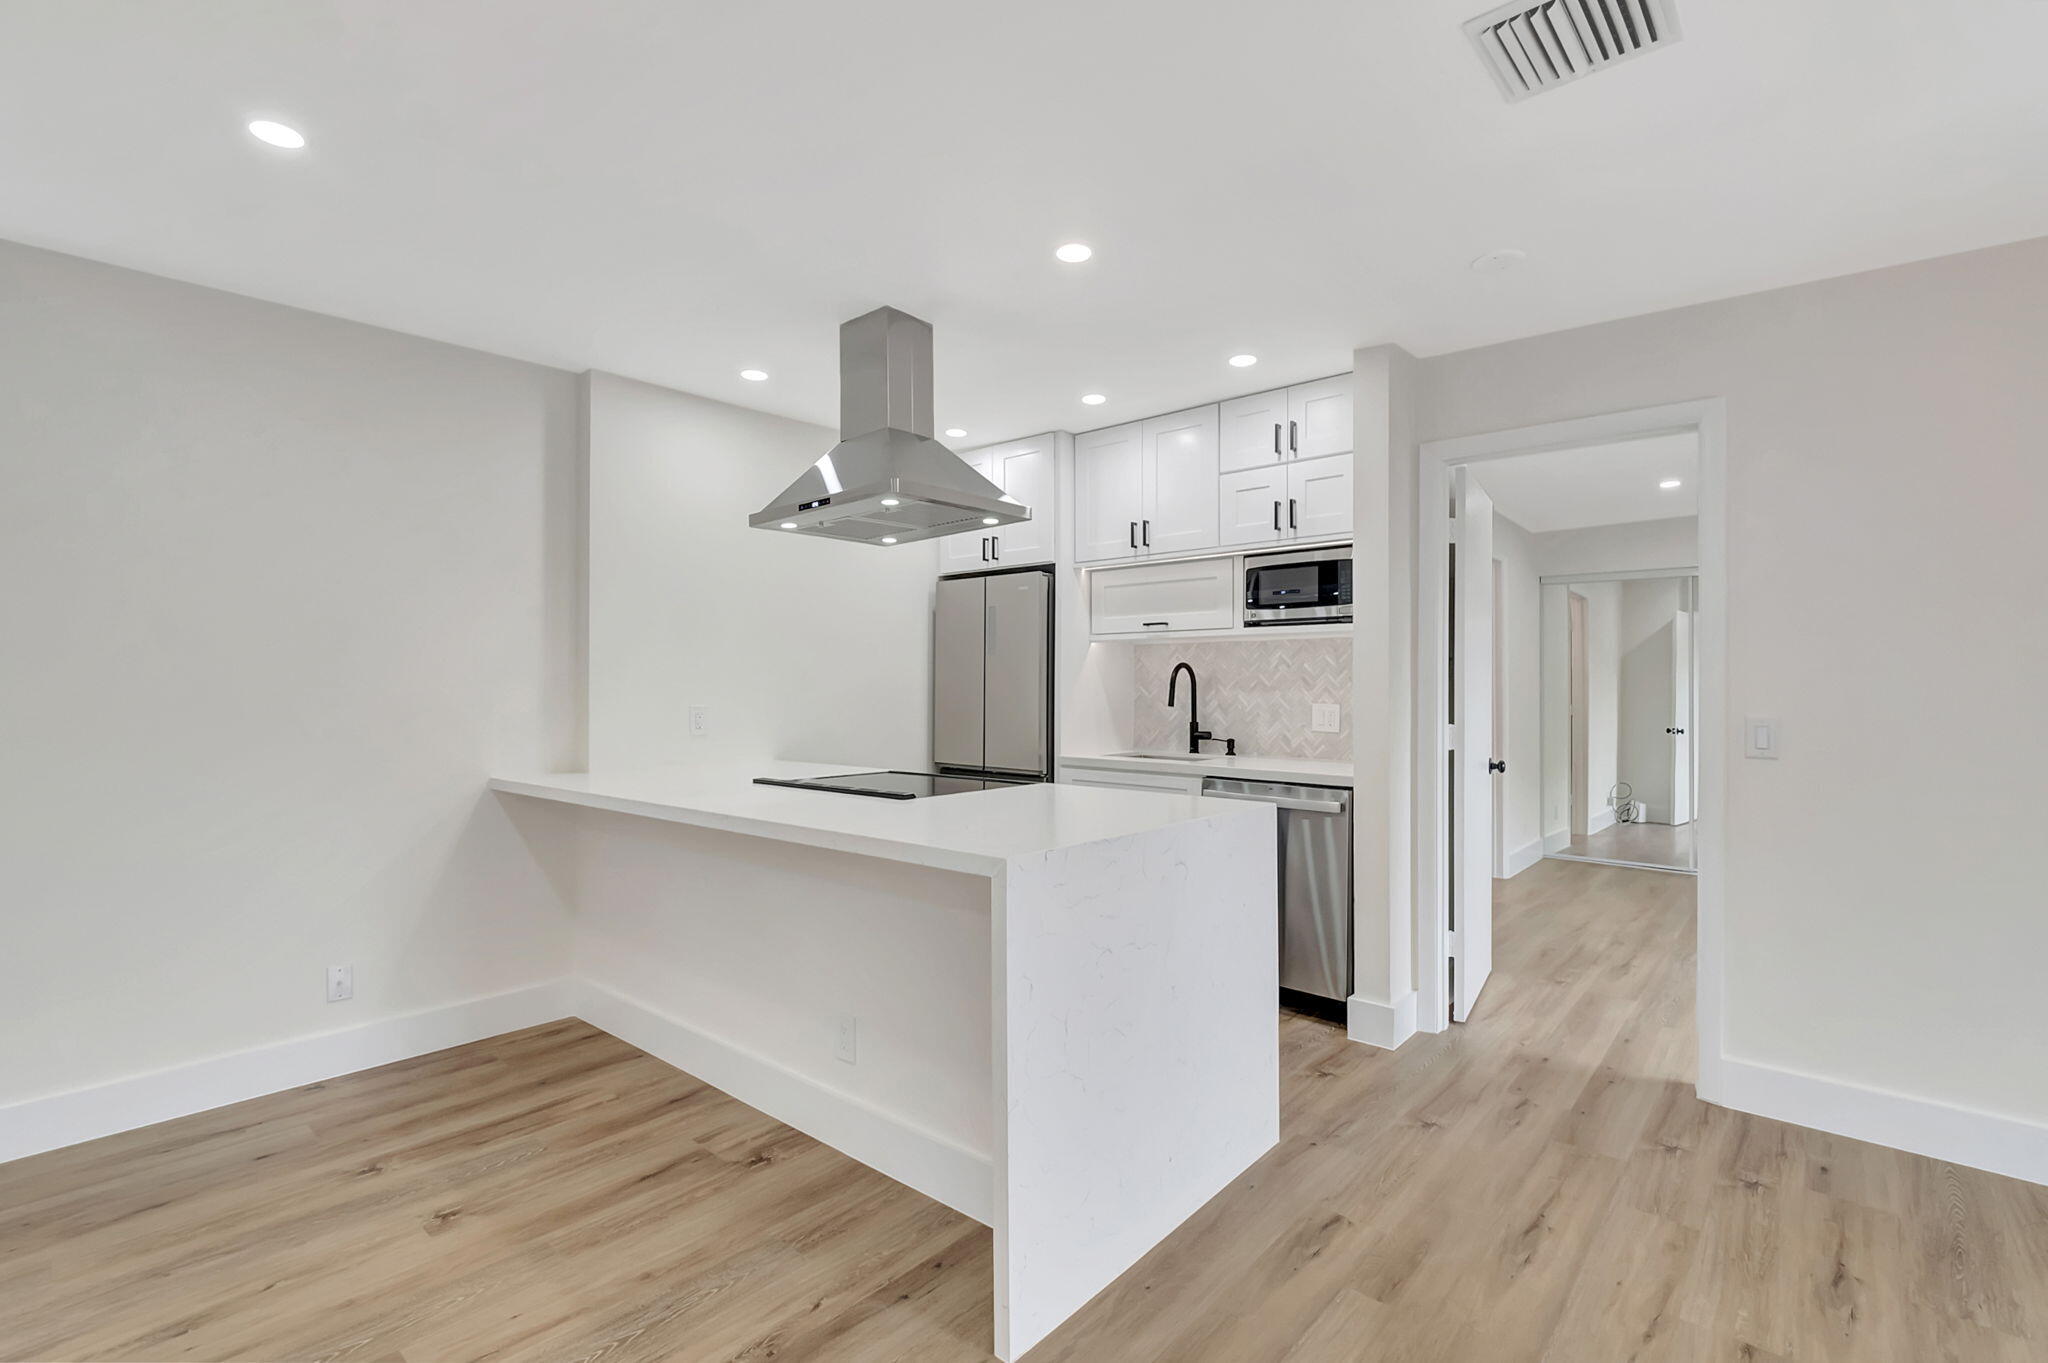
x,y
700,721
846,1039
1324,719
341,983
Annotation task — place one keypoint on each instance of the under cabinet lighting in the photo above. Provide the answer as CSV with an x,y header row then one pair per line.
x,y
990,520
789,525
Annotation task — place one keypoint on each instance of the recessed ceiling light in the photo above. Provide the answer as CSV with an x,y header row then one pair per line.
x,y
754,375
277,134
1670,483
888,539
892,501
1074,252
990,520
1243,361
954,433
789,525
1493,262
1093,399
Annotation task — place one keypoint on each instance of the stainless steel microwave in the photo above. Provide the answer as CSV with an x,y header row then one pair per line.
x,y
1310,587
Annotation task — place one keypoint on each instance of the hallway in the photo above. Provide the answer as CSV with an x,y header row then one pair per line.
x,y
1537,1184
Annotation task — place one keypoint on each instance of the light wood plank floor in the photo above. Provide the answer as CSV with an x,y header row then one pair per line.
x,y
1538,1184
1646,844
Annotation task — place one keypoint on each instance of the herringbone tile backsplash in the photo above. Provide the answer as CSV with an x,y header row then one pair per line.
x,y
1257,691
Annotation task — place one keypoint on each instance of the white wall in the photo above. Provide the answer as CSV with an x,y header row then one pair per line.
x,y
1629,547
1886,427
1521,604
800,648
282,591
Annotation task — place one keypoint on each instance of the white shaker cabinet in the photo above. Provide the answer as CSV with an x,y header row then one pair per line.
x,y
1254,505
1299,500
1252,431
1109,492
1319,418
1160,598
1026,471
1180,483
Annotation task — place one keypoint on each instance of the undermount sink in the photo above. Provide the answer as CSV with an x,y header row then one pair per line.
x,y
1166,756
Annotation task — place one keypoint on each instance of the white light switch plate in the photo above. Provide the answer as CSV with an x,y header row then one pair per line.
x,y
1761,737
846,1040
1324,719
341,983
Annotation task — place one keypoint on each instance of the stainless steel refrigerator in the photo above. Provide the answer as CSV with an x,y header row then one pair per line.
x,y
992,674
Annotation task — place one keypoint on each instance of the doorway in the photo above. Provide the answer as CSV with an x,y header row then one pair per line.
x,y
1455,811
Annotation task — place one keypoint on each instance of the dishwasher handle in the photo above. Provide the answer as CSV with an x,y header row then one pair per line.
x,y
1281,802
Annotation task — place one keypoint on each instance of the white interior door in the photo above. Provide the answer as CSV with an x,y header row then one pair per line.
x,y
1681,712
1471,718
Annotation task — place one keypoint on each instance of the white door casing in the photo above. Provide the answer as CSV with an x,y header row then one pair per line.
x,y
1471,743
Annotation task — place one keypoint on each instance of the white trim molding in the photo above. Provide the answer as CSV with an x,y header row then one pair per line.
x,y
1385,1025
939,1168
1919,1126
34,1125
1527,855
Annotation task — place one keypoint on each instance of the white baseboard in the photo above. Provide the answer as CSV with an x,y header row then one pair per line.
x,y
34,1125
1522,858
1601,819
937,1167
1556,842
1385,1025
1956,1135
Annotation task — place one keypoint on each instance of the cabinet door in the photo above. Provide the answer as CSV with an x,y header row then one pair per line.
x,y
1252,431
1254,505
1024,470
1159,598
1180,483
970,550
1109,492
1319,418
1319,497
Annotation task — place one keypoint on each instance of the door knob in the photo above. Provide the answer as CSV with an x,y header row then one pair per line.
x,y
1497,765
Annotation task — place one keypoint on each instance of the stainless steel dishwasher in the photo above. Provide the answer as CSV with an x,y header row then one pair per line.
x,y
1315,888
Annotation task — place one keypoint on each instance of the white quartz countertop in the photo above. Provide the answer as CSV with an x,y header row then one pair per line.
x,y
1305,770
977,832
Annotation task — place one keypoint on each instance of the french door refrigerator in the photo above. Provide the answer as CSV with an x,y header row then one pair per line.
x,y
992,674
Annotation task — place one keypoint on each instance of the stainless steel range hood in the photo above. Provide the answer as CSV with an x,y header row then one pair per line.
x,y
887,481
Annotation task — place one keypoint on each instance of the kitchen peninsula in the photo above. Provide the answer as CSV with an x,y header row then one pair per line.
x,y
1048,1006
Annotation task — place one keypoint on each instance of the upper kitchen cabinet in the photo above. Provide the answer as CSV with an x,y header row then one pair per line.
x,y
1319,418
1109,492
1307,421
1146,488
1299,500
1253,431
1026,471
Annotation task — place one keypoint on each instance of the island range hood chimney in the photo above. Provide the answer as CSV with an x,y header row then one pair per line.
x,y
887,481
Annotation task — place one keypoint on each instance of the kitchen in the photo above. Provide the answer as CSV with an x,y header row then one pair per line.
x,y
1056,773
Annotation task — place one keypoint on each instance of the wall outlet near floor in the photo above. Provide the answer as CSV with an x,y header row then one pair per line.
x,y
700,721
1324,719
846,1039
341,983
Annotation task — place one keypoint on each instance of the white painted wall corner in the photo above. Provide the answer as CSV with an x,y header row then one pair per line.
x,y
1385,1025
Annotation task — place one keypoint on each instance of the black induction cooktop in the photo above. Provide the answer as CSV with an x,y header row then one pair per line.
x,y
893,785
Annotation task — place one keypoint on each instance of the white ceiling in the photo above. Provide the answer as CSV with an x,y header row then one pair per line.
x,y
676,190
1610,484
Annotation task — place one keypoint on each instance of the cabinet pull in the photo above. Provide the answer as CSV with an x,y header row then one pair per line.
x,y
1155,624
1148,534
1276,440
1292,433
995,549
1134,534
1276,506
1292,524
984,548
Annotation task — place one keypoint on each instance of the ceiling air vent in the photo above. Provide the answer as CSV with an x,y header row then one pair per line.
x,y
1531,48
